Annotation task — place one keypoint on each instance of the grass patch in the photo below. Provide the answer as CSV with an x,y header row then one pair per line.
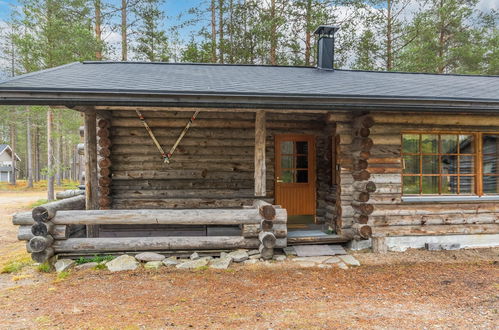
x,y
95,258
22,185
44,268
16,265
38,203
62,276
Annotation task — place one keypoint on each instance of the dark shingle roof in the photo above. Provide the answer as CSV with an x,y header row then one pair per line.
x,y
206,79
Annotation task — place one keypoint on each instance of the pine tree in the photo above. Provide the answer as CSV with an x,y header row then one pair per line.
x,y
152,42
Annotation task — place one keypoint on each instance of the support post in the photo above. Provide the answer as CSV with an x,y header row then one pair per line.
x,y
260,141
91,180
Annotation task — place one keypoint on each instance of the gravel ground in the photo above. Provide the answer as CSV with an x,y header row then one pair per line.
x,y
415,289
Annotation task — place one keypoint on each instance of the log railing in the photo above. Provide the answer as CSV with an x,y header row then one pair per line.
x,y
263,227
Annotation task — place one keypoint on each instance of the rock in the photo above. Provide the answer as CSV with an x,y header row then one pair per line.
x,y
452,246
289,251
194,256
444,246
318,260
193,264
171,261
433,246
324,266
239,255
153,264
223,254
256,256
63,264
149,256
332,260
279,257
123,262
221,263
88,265
253,252
350,260
342,265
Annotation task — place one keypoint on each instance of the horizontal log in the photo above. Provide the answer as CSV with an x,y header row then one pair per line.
x,y
437,230
43,256
434,119
42,228
69,193
363,207
266,210
166,217
266,253
40,243
103,123
111,244
189,140
178,174
364,186
22,219
104,142
103,133
104,162
105,171
360,196
208,151
47,211
220,165
364,121
181,203
267,239
361,230
57,232
252,230
435,219
104,152
361,175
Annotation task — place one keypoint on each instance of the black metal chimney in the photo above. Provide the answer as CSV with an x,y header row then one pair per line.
x,y
325,46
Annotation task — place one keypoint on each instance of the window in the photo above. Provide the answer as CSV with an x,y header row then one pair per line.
x,y
450,163
294,161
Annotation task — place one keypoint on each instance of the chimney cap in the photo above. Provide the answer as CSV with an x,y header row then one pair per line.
x,y
326,29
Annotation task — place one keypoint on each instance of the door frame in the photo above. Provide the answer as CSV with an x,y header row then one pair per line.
x,y
312,162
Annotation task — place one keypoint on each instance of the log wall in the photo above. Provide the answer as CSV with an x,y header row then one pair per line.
x,y
391,216
213,167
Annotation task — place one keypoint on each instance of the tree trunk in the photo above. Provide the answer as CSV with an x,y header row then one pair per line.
x,y
221,29
29,147
273,33
124,41
50,156
389,37
231,31
213,33
58,151
37,154
13,147
98,31
308,45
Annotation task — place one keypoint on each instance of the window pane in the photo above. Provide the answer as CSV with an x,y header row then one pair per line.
x,y
491,184
302,176
429,143
449,164
466,144
466,185
448,143
490,144
411,184
466,165
430,164
302,147
411,164
288,176
491,154
287,161
302,162
410,143
287,147
449,185
430,185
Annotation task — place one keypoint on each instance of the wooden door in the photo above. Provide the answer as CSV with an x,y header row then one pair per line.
x,y
295,173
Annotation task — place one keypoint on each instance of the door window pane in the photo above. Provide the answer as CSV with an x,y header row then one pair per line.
x,y
286,161
410,143
302,147
448,143
490,144
411,165
286,147
449,185
430,185
302,176
491,184
302,162
288,176
429,143
411,184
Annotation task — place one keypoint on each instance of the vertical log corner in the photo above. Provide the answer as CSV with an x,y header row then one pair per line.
x,y
91,176
260,142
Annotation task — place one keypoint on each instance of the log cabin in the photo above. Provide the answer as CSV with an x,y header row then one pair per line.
x,y
211,156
